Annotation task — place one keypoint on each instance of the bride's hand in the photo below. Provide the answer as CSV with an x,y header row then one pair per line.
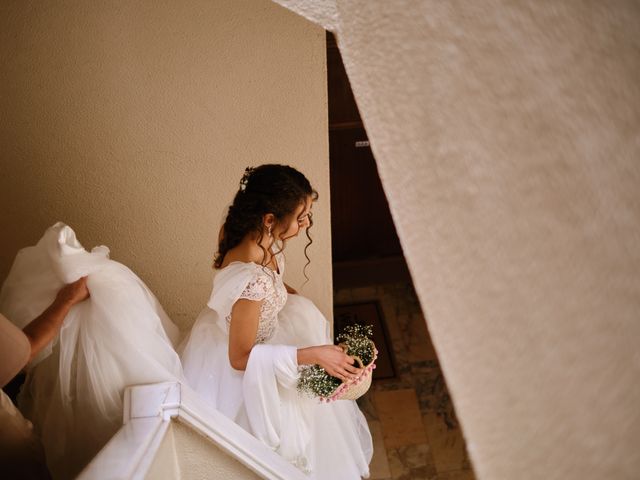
x,y
335,362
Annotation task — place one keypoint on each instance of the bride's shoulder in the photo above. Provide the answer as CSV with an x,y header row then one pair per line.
x,y
235,269
238,280
237,274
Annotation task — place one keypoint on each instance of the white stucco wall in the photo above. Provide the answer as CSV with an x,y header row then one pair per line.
x,y
133,123
507,137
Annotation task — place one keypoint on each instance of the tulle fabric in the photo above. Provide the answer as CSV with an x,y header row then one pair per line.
x,y
326,441
120,336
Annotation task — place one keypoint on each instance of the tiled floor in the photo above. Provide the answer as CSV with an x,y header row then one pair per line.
x,y
415,431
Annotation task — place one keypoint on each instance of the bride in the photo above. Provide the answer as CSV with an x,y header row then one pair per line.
x,y
245,348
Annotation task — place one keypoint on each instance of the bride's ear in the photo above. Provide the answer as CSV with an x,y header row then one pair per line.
x,y
268,219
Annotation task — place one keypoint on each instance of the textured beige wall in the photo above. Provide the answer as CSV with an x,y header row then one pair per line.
x,y
165,464
507,137
133,123
187,455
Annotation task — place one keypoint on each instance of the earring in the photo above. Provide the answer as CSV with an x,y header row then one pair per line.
x,y
269,230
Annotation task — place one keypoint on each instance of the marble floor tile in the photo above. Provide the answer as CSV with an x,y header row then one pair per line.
x,y
392,384
365,403
398,468
412,461
416,338
400,417
456,475
401,356
432,392
403,378
379,466
447,445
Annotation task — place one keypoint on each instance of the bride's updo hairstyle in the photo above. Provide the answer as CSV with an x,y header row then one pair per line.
x,y
276,189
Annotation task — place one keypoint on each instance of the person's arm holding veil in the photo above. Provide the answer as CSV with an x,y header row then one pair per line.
x,y
245,316
47,325
18,347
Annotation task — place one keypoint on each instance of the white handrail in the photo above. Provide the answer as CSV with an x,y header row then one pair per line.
x,y
148,410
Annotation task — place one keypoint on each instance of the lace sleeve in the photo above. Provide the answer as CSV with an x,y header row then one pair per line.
x,y
256,289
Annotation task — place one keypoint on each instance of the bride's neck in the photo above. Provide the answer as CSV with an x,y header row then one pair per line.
x,y
251,251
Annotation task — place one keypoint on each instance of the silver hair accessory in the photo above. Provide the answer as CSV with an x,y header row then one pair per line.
x,y
245,178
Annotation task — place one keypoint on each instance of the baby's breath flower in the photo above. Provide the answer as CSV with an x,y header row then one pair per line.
x,y
316,382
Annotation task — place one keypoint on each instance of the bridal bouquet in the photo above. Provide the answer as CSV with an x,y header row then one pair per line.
x,y
356,342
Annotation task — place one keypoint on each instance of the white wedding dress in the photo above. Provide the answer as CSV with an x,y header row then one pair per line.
x,y
325,440
120,336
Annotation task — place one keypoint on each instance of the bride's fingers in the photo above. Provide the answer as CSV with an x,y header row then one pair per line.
x,y
342,375
352,370
351,373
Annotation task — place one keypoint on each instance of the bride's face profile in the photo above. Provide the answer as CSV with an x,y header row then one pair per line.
x,y
297,222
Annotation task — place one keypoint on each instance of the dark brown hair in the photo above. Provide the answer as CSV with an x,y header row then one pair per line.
x,y
270,188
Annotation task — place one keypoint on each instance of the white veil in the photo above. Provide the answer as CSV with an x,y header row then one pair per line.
x,y
118,337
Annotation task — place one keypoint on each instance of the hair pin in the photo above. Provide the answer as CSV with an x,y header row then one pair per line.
x,y
245,178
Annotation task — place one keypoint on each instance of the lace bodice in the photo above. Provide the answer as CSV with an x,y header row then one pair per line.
x,y
268,286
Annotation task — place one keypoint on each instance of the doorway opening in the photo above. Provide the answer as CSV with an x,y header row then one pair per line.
x,y
414,427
